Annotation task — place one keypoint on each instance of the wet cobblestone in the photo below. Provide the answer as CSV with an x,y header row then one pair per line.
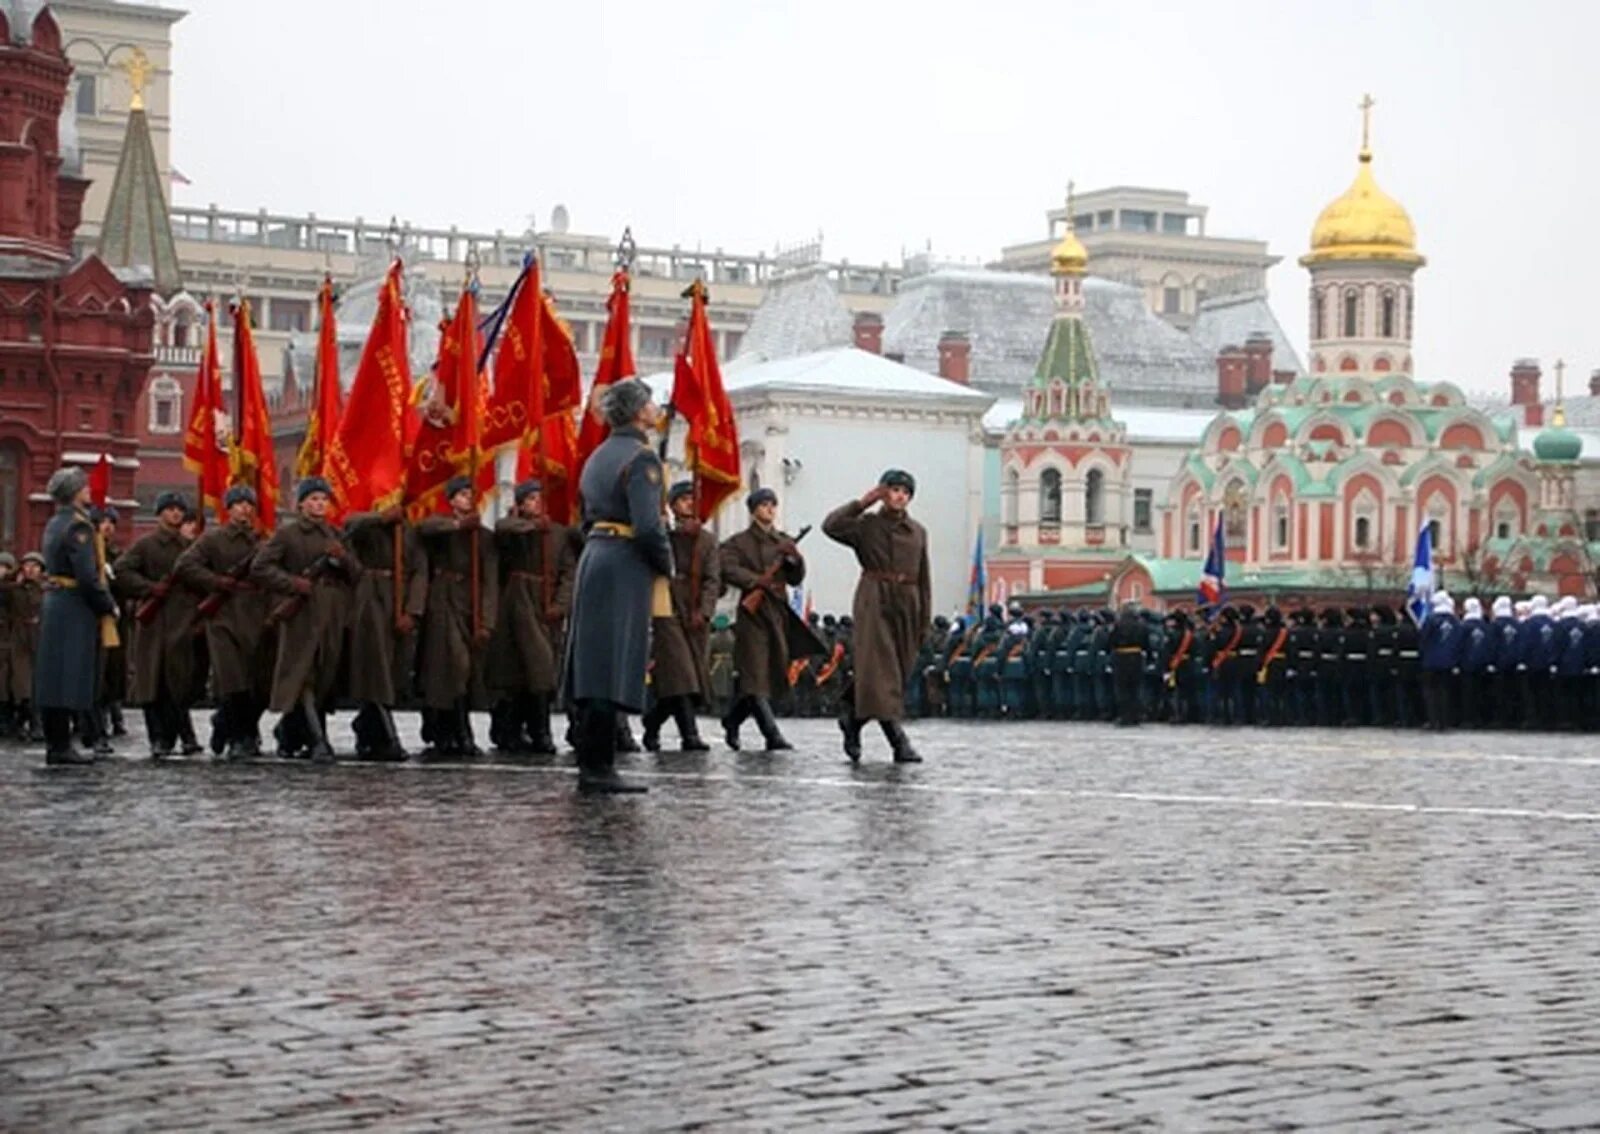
x,y
1045,926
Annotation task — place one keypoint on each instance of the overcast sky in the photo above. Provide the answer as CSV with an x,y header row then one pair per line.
x,y
740,125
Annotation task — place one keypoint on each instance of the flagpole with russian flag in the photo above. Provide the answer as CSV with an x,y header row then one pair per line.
x,y
1419,592
1213,587
978,580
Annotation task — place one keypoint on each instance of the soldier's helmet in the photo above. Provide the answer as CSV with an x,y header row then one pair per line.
x,y
1272,616
940,622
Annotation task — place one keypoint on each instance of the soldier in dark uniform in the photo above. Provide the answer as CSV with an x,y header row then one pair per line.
x,y
311,577
1407,692
622,581
1477,657
382,638
1330,674
164,659
680,678
535,592
1127,641
1381,667
1100,666
1441,662
1271,677
1226,635
722,686
1080,643
114,667
1182,668
8,699
1041,665
217,567
454,644
934,682
77,615
760,561
1506,691
957,664
1246,663
1303,668
1354,662
24,598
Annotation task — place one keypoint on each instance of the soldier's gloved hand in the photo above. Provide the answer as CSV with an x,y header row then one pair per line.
x,y
404,623
227,583
302,585
393,514
552,614
159,591
336,551
481,638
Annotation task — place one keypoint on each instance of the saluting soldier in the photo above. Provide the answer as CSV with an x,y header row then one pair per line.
x,y
234,614
311,575
535,589
163,652
382,635
760,561
455,630
680,677
625,554
893,600
72,617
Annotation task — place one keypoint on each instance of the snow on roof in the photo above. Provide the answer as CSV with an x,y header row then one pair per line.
x,y
1230,320
800,313
1006,316
840,370
1156,426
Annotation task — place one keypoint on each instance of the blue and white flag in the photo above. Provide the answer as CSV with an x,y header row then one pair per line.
x,y
1212,588
1419,594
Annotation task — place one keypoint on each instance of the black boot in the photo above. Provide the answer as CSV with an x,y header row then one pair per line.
x,y
388,748
119,727
155,726
688,726
597,742
467,744
321,750
896,736
183,727
505,725
540,742
851,726
625,742
768,724
737,715
93,735
653,720
59,750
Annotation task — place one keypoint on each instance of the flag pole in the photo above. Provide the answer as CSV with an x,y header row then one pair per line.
x,y
474,586
392,239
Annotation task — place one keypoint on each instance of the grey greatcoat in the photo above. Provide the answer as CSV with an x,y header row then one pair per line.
x,y
377,655
163,655
760,640
681,647
533,604
892,605
236,636
311,639
608,643
68,660
450,665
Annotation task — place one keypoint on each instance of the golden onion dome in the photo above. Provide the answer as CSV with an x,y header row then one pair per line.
x,y
1069,257
1364,223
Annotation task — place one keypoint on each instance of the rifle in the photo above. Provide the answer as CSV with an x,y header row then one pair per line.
x,y
752,601
149,608
296,602
213,602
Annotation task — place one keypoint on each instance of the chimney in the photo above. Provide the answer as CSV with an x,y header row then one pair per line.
x,y
955,357
869,332
1594,383
1232,370
1282,377
1258,362
1525,390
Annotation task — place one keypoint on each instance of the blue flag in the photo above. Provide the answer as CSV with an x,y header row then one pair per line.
x,y
978,581
1419,593
1213,590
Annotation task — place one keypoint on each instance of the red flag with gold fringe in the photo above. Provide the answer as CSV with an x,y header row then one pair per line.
x,y
254,462
323,422
448,442
616,363
712,447
366,458
206,439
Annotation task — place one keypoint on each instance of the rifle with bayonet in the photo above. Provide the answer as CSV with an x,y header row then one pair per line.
x,y
296,602
757,594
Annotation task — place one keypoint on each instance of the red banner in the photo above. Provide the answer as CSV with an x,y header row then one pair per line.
x,y
366,460
712,448
449,441
206,441
616,363
254,462
323,422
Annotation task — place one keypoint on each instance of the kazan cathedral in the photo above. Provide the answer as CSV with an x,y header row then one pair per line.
x,y
1321,483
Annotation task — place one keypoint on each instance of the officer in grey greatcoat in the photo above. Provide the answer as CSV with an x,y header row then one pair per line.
x,y
626,553
76,600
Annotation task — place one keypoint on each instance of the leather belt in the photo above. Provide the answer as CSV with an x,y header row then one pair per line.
x,y
1128,650
611,528
898,577
65,582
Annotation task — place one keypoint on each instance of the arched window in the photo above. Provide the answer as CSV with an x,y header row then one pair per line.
x,y
1435,532
1319,315
1234,507
1387,327
1363,533
1050,497
1351,310
180,327
10,495
166,405
1194,528
1094,497
1280,524
1008,501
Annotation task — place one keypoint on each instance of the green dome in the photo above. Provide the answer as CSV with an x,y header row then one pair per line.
x,y
1557,443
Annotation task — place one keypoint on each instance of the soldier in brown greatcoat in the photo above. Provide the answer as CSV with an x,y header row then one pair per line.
x,y
382,637
310,577
25,602
455,637
891,608
163,654
536,561
114,660
680,646
217,566
760,559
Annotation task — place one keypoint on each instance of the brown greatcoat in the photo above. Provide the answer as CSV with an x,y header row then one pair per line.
x,y
311,640
892,603
163,655
522,657
760,641
236,636
20,605
449,662
681,645
377,656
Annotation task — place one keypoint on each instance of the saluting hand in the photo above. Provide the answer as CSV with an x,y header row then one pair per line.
x,y
874,494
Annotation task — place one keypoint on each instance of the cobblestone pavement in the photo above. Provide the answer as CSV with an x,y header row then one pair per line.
x,y
1043,927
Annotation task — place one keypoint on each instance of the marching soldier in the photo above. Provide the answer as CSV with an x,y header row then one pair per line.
x,y
893,600
382,634
535,590
455,628
760,561
77,612
626,560
163,652
680,677
311,576
233,613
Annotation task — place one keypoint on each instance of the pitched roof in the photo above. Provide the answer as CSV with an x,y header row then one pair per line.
x,y
801,312
1230,320
839,372
136,234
